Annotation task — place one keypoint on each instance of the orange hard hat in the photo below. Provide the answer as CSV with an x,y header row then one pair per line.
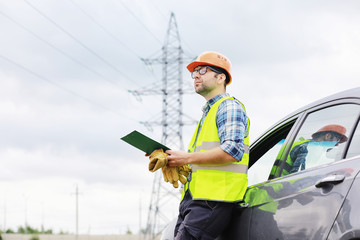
x,y
212,59
333,128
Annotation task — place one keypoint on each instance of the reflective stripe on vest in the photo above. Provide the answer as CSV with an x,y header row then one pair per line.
x,y
226,182
210,145
234,168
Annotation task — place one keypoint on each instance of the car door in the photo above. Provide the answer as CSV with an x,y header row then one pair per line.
x,y
282,203
347,223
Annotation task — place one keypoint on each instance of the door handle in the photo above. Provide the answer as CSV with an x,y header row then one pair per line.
x,y
332,179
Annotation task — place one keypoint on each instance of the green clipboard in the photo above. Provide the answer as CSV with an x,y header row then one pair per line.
x,y
142,142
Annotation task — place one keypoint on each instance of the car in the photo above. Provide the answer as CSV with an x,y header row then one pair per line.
x,y
301,187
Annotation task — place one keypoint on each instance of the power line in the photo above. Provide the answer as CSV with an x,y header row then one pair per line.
x,y
80,43
115,37
149,68
158,10
76,212
57,49
67,55
188,54
63,88
104,28
109,33
145,27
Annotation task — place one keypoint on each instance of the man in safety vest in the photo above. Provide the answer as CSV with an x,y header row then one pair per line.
x,y
218,154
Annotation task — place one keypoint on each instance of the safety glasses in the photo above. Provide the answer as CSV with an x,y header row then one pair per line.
x,y
202,70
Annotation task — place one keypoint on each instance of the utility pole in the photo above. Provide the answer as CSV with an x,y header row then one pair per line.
x,y
42,218
171,89
4,215
25,211
76,212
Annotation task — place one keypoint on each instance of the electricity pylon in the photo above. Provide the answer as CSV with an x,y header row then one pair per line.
x,y
171,89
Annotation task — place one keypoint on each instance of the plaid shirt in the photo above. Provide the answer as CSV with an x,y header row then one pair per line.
x,y
231,121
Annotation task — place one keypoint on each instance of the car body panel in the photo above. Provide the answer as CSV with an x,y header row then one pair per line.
x,y
293,207
346,225
315,203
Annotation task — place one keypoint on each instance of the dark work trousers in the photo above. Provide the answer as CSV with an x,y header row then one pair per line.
x,y
201,219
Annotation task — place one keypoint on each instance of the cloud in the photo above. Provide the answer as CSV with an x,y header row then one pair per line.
x,y
64,100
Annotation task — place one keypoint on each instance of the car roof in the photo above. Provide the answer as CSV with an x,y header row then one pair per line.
x,y
350,93
347,94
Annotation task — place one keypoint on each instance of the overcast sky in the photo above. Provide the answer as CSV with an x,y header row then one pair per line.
x,y
66,68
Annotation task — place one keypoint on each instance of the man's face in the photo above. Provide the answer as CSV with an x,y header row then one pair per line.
x,y
204,83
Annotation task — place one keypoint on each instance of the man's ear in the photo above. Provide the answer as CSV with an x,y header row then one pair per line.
x,y
221,78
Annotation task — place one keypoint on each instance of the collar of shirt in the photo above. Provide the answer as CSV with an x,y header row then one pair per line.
x,y
212,101
206,109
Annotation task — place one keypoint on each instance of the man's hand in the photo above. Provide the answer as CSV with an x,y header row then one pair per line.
x,y
177,158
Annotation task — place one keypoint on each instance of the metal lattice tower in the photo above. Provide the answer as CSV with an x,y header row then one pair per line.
x,y
171,89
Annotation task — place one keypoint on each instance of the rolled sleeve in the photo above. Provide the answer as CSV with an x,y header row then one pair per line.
x,y
232,126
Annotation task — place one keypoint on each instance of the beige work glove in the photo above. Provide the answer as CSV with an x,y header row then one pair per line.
x,y
184,172
175,174
158,159
171,175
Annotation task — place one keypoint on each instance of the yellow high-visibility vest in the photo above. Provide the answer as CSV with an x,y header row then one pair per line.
x,y
220,182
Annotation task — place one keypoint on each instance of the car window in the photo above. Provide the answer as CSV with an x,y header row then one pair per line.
x,y
354,148
259,172
264,154
322,138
